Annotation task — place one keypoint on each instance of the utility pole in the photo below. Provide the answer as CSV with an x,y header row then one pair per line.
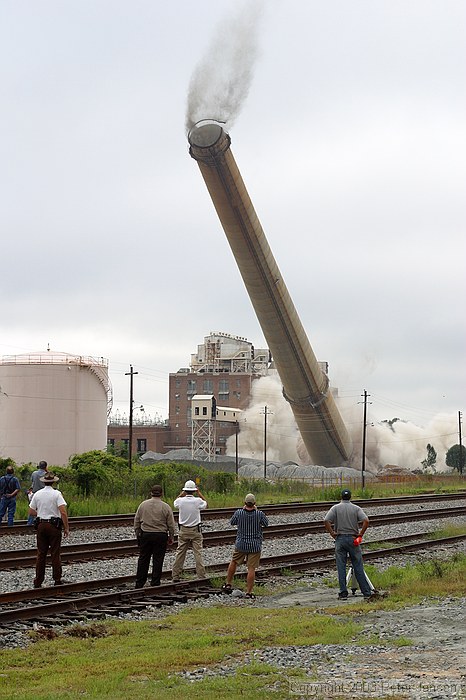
x,y
461,465
266,413
363,463
131,374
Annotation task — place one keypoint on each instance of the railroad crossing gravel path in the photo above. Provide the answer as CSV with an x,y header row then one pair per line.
x,y
432,668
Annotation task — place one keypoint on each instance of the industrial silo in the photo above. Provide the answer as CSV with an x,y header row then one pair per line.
x,y
53,405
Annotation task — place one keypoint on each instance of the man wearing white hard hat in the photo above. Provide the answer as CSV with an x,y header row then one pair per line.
x,y
189,503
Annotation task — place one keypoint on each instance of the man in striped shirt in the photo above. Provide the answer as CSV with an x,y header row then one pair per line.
x,y
250,523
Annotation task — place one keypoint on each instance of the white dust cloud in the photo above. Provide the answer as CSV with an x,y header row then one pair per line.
x,y
404,444
220,83
282,432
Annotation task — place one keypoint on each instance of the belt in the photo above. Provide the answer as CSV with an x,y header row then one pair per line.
x,y
45,520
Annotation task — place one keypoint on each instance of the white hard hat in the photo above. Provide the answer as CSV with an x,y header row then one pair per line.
x,y
190,486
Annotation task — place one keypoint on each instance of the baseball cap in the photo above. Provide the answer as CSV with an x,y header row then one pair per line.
x,y
250,498
346,494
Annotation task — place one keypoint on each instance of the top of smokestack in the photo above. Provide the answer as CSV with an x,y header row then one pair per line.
x,y
205,133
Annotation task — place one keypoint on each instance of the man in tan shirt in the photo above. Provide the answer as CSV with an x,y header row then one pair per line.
x,y
154,525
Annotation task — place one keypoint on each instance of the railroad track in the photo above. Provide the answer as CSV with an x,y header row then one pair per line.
x,y
76,602
122,548
117,549
127,519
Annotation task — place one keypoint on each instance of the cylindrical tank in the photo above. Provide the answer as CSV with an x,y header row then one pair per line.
x,y
305,386
52,405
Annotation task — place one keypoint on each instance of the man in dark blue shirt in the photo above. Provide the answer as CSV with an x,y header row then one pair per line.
x,y
9,489
250,523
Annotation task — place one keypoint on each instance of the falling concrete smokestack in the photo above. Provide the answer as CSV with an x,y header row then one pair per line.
x,y
305,386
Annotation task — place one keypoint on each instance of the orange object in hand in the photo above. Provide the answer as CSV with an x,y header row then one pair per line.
x,y
357,541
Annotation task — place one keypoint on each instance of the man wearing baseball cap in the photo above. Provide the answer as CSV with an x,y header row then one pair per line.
x,y
342,521
248,545
154,526
189,503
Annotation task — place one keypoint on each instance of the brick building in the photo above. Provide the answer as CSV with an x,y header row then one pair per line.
x,y
224,365
147,435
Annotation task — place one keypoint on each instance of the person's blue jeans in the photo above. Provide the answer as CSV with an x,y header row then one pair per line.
x,y
344,547
8,504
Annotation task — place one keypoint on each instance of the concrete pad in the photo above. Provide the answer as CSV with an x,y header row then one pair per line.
x,y
315,597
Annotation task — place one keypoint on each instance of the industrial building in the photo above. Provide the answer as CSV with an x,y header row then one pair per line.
x,y
224,366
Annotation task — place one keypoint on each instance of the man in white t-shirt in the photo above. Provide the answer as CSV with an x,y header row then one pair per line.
x,y
189,506
49,507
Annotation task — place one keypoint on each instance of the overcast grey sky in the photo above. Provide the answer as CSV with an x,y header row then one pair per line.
x,y
351,141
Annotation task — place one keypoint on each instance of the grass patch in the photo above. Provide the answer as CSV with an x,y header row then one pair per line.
x,y
141,660
448,531
380,544
433,578
101,502
402,642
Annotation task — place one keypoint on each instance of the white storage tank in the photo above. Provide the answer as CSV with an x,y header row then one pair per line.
x,y
53,405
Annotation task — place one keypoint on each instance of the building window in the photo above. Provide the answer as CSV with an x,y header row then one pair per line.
x,y
111,441
223,386
191,386
177,383
177,396
204,410
177,410
208,386
223,398
196,410
142,445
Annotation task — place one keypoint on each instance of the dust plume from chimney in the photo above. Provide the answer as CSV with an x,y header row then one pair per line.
x,y
220,83
402,443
